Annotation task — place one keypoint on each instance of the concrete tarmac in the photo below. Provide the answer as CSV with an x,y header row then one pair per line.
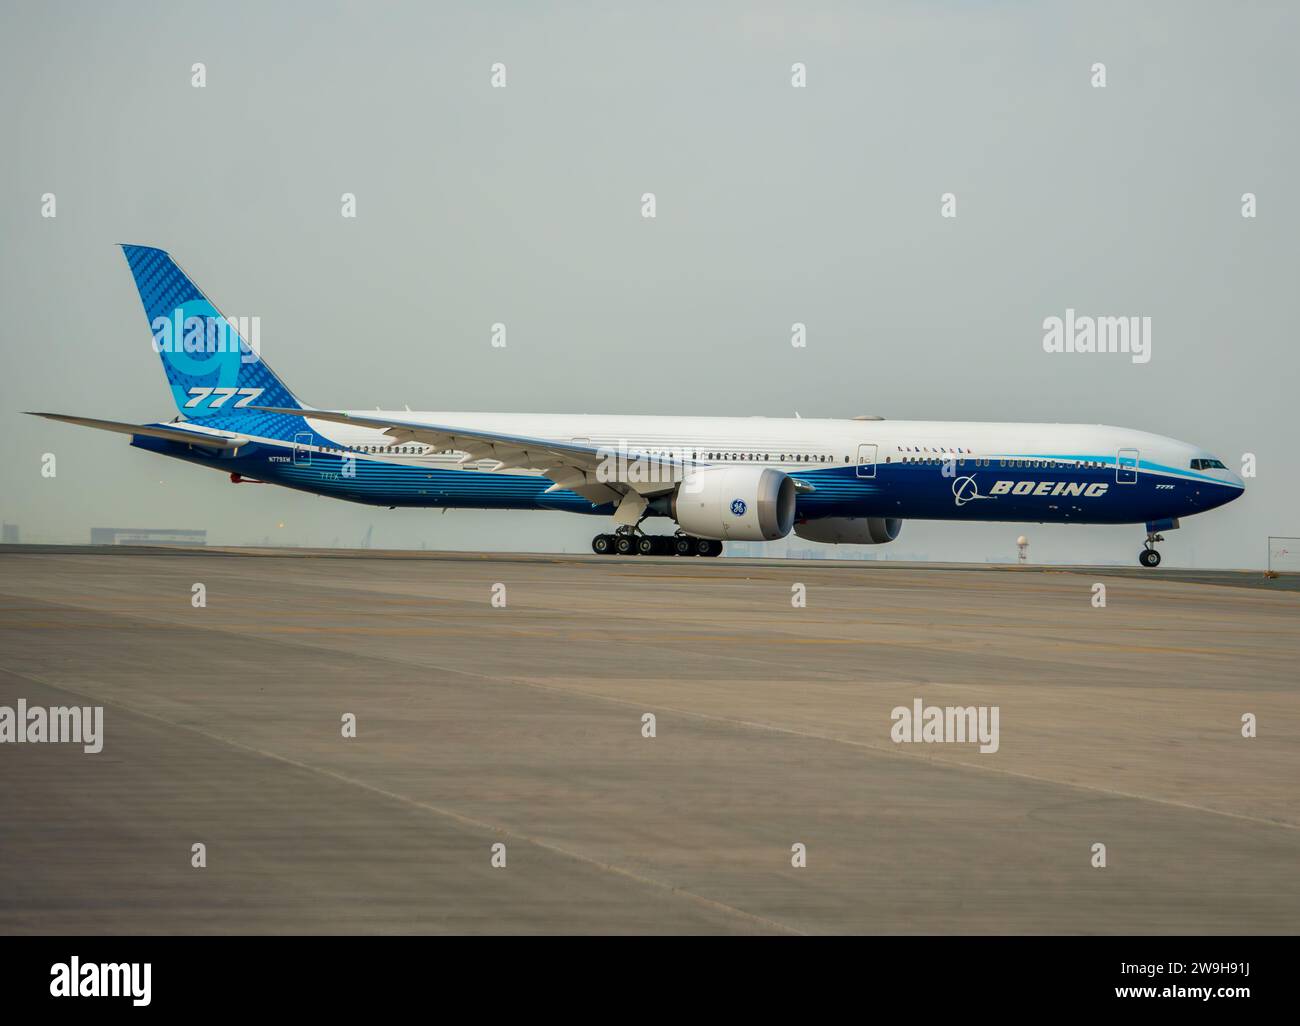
x,y
522,725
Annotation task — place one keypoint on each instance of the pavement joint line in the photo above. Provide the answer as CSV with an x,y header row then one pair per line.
x,y
461,818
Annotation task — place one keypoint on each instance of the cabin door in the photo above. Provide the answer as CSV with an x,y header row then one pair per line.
x,y
867,459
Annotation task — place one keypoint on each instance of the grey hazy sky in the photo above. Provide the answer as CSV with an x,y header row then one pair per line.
x,y
775,205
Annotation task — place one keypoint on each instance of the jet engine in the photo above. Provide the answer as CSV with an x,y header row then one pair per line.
x,y
850,530
735,503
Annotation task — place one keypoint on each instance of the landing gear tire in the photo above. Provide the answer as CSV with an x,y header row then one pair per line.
x,y
1149,557
682,546
707,547
647,545
625,545
602,544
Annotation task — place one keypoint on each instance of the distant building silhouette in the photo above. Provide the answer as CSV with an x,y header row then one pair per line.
x,y
147,536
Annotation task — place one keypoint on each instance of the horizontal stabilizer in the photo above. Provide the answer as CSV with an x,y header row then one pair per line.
x,y
172,434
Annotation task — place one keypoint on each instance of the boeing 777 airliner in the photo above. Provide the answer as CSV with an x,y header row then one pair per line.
x,y
718,478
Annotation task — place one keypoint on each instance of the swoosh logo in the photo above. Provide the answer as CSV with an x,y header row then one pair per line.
x,y
965,490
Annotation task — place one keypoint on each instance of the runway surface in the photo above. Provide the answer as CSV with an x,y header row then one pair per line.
x,y
522,725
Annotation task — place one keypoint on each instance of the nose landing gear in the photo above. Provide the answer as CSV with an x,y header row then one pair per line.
x,y
1149,557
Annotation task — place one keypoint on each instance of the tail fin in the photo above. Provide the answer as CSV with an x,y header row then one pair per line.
x,y
211,367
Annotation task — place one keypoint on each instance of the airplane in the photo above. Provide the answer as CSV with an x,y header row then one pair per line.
x,y
850,482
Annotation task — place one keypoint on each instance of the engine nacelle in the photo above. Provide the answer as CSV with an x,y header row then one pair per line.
x,y
736,503
850,530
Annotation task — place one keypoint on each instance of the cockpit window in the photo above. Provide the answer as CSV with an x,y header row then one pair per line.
x,y
1208,465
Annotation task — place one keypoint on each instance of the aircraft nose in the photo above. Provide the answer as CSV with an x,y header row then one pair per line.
x,y
1233,478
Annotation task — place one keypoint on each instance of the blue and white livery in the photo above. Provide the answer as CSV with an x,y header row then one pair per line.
x,y
754,479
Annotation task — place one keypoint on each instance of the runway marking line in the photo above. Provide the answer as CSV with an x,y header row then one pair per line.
x,y
459,817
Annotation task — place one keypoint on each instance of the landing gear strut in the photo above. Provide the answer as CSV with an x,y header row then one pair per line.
x,y
1149,557
629,541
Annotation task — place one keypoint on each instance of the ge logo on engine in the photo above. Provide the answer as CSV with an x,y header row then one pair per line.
x,y
738,507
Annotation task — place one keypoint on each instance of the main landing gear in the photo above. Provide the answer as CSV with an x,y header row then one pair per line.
x,y
1149,557
626,542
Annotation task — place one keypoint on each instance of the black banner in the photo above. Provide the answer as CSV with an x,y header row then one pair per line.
x,y
143,976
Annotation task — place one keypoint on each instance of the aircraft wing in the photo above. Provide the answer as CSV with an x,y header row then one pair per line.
x,y
601,475
173,433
